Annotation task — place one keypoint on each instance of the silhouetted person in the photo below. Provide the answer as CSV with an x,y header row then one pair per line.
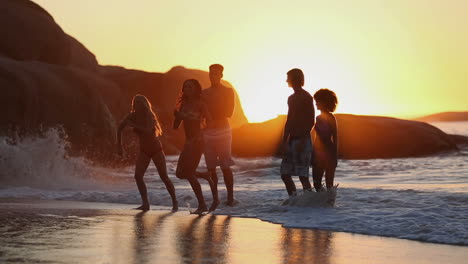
x,y
217,134
192,111
296,143
325,139
145,124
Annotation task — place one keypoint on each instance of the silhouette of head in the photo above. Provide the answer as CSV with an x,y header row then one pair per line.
x,y
191,89
295,78
142,106
216,74
326,100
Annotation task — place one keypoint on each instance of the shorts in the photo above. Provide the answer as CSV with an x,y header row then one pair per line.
x,y
218,148
189,158
297,163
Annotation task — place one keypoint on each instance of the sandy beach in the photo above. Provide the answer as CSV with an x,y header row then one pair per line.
x,y
44,231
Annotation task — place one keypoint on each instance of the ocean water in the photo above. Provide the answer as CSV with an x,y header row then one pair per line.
x,y
423,199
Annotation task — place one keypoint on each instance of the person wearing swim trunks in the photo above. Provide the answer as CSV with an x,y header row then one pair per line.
x,y
296,142
191,110
325,139
217,134
145,124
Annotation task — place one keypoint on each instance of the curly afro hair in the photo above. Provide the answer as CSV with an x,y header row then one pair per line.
x,y
327,98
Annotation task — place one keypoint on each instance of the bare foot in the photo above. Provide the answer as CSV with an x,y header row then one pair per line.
x,y
214,205
231,202
144,207
200,211
175,206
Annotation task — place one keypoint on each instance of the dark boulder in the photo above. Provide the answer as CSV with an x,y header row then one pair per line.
x,y
359,137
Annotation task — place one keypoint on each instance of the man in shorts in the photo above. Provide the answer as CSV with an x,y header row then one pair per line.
x,y
296,143
217,134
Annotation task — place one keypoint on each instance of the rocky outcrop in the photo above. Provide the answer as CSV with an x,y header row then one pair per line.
x,y
258,139
460,140
37,95
29,33
445,117
359,137
364,137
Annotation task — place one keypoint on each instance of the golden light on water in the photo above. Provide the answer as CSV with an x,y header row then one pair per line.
x,y
398,58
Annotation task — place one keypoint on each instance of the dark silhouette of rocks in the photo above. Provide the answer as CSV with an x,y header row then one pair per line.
x,y
359,137
363,137
37,95
445,117
29,33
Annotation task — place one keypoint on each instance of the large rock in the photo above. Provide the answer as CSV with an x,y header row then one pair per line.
x,y
258,139
363,137
37,95
30,33
359,137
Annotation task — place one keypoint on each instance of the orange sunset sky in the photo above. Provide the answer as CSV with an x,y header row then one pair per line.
x,y
401,58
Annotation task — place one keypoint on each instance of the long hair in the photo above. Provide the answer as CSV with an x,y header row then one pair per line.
x,y
183,97
150,115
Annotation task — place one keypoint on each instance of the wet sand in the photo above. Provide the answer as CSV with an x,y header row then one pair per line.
x,y
39,231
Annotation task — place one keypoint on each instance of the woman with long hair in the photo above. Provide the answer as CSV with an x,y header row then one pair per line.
x,y
145,124
192,111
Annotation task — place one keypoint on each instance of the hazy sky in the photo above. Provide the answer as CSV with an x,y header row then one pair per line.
x,y
401,58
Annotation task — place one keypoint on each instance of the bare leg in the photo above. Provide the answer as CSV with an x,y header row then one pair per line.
x,y
329,177
318,175
203,175
159,160
305,183
140,168
213,181
213,176
290,186
229,182
214,193
198,193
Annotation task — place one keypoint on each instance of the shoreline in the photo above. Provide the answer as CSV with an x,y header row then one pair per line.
x,y
112,231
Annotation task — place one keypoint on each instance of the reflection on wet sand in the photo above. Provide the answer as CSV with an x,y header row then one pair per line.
x,y
203,239
147,229
306,246
31,234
